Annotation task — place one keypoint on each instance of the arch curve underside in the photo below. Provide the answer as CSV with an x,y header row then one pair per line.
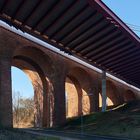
x,y
42,86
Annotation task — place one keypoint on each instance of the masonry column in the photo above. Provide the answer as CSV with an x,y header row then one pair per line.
x,y
59,114
6,118
59,102
96,100
95,89
103,91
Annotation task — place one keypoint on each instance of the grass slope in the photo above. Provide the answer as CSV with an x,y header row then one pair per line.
x,y
14,134
122,121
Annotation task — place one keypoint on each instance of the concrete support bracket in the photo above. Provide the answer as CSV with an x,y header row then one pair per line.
x,y
104,91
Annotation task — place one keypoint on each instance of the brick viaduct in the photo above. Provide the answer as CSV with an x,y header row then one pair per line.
x,y
54,78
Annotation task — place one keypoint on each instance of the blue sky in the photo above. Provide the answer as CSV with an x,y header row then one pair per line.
x,y
21,83
127,10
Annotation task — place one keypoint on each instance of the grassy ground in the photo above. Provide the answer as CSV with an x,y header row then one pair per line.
x,y
18,135
122,121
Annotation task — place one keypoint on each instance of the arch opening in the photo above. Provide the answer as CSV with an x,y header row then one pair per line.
x,y
39,72
112,95
73,103
42,94
109,102
23,99
77,90
129,96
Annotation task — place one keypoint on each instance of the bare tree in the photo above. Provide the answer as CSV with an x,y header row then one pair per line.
x,y
23,110
16,105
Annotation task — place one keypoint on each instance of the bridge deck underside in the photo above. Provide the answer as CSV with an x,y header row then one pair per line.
x,y
81,28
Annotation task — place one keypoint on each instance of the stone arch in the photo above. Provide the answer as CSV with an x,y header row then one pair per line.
x,y
112,94
38,66
108,101
129,95
37,55
73,96
81,80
